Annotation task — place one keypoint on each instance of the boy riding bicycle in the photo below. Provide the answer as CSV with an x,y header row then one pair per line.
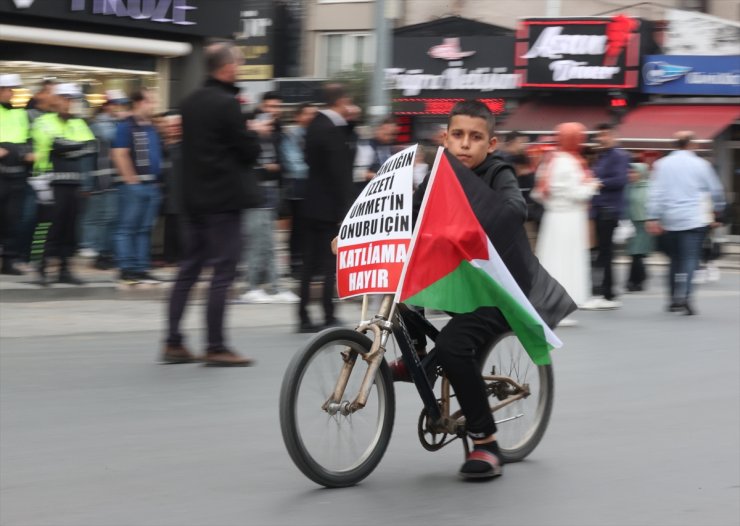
x,y
460,344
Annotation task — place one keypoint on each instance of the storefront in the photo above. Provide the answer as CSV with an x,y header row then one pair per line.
x,y
576,69
112,44
436,64
700,93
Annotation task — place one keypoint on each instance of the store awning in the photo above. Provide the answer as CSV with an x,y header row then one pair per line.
x,y
657,123
540,117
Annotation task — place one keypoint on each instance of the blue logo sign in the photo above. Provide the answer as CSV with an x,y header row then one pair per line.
x,y
657,73
691,75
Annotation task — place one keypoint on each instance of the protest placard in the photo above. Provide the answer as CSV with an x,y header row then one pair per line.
x,y
375,234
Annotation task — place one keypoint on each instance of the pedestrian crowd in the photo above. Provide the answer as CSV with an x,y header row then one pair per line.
x,y
207,183
583,201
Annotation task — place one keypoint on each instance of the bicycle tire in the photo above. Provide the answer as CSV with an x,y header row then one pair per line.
x,y
523,442
294,440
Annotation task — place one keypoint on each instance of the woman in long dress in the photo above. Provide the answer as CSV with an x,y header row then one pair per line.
x,y
564,186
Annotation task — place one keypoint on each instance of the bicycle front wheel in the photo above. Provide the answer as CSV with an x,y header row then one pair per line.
x,y
521,424
335,450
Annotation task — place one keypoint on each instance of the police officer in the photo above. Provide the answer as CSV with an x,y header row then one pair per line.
x,y
16,158
64,149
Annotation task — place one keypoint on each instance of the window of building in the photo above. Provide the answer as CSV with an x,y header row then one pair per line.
x,y
695,5
343,52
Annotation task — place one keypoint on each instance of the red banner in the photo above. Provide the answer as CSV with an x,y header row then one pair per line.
x,y
370,268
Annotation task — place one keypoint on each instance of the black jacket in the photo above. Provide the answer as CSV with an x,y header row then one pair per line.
x,y
217,152
330,154
510,239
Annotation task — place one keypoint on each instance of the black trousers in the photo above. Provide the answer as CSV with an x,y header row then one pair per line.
x,y
318,259
211,239
173,241
638,274
12,198
606,223
295,244
62,239
461,348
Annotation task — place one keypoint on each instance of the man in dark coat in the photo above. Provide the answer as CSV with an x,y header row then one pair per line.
x,y
330,152
217,152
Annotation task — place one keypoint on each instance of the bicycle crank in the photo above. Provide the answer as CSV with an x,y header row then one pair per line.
x,y
432,438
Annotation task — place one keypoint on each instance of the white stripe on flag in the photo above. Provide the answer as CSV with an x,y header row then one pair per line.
x,y
498,271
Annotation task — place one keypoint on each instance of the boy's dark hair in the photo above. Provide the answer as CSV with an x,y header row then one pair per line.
x,y
605,126
302,106
474,108
333,92
387,120
271,95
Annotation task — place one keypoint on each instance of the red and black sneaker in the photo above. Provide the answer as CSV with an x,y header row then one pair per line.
x,y
482,463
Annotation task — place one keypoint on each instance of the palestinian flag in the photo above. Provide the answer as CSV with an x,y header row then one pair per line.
x,y
453,265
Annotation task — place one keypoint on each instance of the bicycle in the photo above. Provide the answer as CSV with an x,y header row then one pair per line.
x,y
352,434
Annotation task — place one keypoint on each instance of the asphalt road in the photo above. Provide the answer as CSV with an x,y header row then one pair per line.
x,y
93,432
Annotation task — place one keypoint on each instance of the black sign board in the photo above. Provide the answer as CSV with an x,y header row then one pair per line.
x,y
584,53
190,17
468,66
255,39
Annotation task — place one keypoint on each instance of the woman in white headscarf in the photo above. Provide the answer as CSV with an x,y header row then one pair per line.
x,y
564,185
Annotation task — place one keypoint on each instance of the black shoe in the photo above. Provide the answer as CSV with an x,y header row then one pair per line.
x,y
65,276
306,327
688,310
128,278
634,287
103,263
9,269
145,277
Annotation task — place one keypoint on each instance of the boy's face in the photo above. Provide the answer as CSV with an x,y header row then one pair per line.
x,y
467,139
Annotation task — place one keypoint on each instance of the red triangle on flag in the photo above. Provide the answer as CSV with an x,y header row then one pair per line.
x,y
448,233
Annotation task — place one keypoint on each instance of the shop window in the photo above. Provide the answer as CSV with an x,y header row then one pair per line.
x,y
695,5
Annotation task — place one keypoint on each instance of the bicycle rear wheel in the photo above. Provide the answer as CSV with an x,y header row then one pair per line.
x,y
335,450
521,424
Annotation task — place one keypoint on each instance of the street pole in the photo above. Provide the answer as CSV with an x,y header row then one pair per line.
x,y
379,100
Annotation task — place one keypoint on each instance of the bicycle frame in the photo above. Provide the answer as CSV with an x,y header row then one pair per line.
x,y
438,411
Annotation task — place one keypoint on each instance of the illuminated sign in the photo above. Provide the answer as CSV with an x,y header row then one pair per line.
x,y
578,52
431,66
439,106
163,11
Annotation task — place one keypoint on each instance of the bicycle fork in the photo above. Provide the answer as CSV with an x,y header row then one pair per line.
x,y
373,358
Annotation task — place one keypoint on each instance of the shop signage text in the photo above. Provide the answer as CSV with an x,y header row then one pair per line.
x,y
203,18
413,81
256,40
692,75
585,53
164,11
424,64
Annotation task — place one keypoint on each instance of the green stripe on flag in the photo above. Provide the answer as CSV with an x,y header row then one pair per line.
x,y
467,288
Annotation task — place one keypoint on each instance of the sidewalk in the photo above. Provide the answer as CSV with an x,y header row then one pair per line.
x,y
101,284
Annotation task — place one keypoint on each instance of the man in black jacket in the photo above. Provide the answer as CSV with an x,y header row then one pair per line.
x,y
218,150
330,153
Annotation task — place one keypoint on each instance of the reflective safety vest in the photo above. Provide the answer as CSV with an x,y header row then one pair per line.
x,y
14,126
49,127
